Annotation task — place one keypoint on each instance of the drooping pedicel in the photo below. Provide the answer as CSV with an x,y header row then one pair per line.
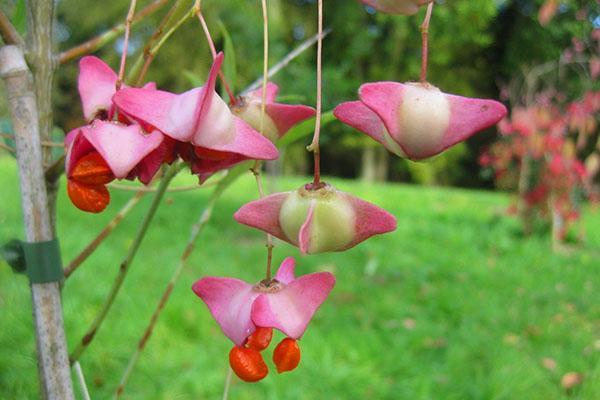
x,y
317,219
248,313
417,120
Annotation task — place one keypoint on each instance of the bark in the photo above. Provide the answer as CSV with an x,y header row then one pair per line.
x,y
40,34
53,363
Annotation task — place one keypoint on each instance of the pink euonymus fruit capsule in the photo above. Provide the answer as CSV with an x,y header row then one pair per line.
x,y
317,219
278,118
247,364
404,7
417,120
286,355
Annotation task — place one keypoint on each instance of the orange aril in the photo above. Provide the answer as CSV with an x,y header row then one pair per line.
x,y
90,198
286,355
91,169
260,339
247,364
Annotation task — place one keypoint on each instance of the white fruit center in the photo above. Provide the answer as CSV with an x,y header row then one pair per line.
x,y
424,118
251,114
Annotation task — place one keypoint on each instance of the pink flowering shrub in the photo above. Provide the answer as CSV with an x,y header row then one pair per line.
x,y
544,153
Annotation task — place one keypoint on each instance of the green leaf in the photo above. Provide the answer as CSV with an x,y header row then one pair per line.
x,y
303,129
229,64
12,253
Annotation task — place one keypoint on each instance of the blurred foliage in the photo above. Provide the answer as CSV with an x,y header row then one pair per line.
x,y
475,47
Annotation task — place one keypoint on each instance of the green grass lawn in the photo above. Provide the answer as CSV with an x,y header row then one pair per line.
x,y
453,305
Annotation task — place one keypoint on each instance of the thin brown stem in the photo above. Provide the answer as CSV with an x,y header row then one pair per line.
x,y
93,245
213,49
7,148
263,105
196,230
55,170
125,264
257,175
149,57
103,39
8,32
286,60
314,146
145,189
128,21
227,383
425,42
44,142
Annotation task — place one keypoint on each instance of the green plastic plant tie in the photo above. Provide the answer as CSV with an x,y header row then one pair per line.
x,y
43,261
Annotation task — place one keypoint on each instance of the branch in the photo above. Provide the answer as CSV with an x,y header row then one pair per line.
x,y
55,170
286,60
103,39
197,228
7,148
146,189
93,245
8,32
170,23
126,263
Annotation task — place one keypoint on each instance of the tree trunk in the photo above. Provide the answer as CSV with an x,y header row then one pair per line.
x,y
40,35
53,362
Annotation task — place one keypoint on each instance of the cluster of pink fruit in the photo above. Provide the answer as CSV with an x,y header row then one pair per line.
x,y
135,130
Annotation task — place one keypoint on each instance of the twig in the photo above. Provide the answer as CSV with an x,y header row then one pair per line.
x,y
103,39
211,44
128,21
84,390
93,245
145,189
8,32
126,263
257,164
314,146
47,143
7,148
286,60
146,56
197,228
139,70
54,171
227,383
44,142
425,42
52,361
